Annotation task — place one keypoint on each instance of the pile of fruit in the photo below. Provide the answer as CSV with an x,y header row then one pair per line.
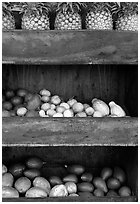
x,y
25,179
44,104
69,15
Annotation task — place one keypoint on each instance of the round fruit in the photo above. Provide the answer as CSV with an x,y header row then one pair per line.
x,y
98,192
21,111
51,112
34,163
45,98
87,177
42,183
60,109
7,105
89,111
76,169
45,92
71,102
34,102
5,113
9,94
100,184
16,100
35,192
4,169
55,180
32,173
85,187
22,184
55,100
112,193
70,178
7,179
86,106
17,169
119,174
97,114
9,192
45,106
68,113
53,106
106,173
56,115
113,183
77,107
81,114
71,187
65,105
22,92
58,191
42,113
124,191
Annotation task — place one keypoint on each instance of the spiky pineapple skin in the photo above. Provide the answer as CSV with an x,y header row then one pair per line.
x,y
35,22
100,20
68,21
127,22
8,22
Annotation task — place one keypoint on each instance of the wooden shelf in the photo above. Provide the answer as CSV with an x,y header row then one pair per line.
x,y
74,199
70,131
70,47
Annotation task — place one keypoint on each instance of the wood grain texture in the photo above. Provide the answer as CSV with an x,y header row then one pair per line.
x,y
74,199
70,47
44,132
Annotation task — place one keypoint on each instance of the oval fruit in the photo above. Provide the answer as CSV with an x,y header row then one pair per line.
x,y
45,99
58,191
58,115
65,105
71,178
76,169
101,106
55,180
9,192
100,183
7,105
77,107
22,92
34,102
55,100
81,115
45,106
112,193
51,112
9,94
7,179
35,192
17,169
21,111
4,169
16,100
87,177
85,187
71,187
119,174
113,183
45,92
31,173
124,191
42,183
98,192
89,111
34,163
71,102
22,184
5,113
86,106
97,114
106,173
68,113
60,109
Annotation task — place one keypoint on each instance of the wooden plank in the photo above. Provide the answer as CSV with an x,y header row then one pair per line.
x,y
65,131
70,47
74,199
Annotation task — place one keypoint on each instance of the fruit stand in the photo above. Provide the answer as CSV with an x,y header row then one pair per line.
x,y
85,64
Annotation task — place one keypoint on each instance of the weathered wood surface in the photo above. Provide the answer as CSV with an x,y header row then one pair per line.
x,y
76,131
70,47
74,199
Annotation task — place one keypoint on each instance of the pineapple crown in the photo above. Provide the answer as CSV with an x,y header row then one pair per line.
x,y
7,8
74,7
35,8
101,6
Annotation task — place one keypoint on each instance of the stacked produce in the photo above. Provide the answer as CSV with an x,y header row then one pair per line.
x,y
69,15
44,104
25,179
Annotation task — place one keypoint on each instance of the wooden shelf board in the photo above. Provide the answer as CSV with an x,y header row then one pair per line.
x,y
70,47
70,131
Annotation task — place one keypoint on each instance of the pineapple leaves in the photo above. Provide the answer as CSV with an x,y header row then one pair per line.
x,y
74,7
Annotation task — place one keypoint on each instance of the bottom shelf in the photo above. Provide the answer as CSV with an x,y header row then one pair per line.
x,y
74,199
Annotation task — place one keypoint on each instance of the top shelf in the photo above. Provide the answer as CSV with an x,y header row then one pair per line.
x,y
69,47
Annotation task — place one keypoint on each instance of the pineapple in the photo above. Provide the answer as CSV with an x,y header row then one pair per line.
x,y
8,22
99,16
35,16
68,16
127,16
